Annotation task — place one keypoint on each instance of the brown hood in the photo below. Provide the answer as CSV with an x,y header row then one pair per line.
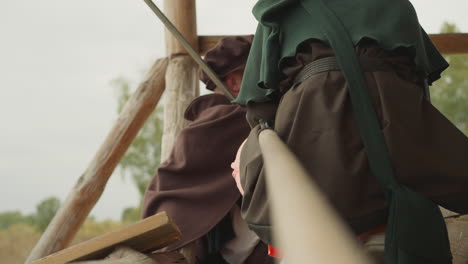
x,y
229,55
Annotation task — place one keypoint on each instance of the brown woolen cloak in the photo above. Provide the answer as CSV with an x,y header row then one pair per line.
x,y
195,185
315,119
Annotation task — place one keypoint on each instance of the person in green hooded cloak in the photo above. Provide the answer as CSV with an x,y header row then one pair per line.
x,y
344,83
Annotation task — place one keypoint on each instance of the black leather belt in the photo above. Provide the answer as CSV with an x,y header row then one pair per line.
x,y
331,64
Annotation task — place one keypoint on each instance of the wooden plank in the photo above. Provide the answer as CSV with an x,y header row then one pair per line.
x,y
205,43
147,235
90,185
457,228
446,43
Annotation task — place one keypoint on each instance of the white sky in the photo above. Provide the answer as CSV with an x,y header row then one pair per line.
x,y
57,58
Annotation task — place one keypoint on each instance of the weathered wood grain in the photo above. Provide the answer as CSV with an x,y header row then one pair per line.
x,y
182,73
146,235
182,13
181,89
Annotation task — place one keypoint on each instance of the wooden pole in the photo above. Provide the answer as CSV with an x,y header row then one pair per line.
x,y
182,74
182,14
306,236
205,43
188,48
91,184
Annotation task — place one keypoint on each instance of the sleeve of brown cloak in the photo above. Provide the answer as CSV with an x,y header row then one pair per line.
x,y
257,111
255,207
195,186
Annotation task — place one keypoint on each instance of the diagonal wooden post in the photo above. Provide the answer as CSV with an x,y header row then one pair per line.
x,y
91,184
182,73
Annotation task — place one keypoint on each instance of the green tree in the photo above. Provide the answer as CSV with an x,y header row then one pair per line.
x,y
45,211
450,93
142,158
7,219
131,214
93,228
144,154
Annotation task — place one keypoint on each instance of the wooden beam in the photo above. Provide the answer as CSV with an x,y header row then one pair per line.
x,y
90,185
454,43
147,235
446,43
182,72
208,42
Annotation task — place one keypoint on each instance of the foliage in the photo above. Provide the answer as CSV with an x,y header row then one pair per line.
x,y
8,219
144,154
450,93
131,214
17,241
93,228
45,211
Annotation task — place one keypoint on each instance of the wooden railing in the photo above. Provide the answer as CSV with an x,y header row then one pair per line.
x,y
446,43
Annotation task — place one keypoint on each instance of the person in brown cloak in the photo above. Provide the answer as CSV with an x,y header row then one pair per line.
x,y
194,185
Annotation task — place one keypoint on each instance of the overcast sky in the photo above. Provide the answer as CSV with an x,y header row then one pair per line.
x,y
57,58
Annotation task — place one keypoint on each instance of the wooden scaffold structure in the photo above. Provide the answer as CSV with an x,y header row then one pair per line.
x,y
177,76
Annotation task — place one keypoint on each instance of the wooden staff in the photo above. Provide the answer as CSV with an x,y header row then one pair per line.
x,y
314,235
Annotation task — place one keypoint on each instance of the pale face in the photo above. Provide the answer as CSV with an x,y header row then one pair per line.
x,y
233,81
